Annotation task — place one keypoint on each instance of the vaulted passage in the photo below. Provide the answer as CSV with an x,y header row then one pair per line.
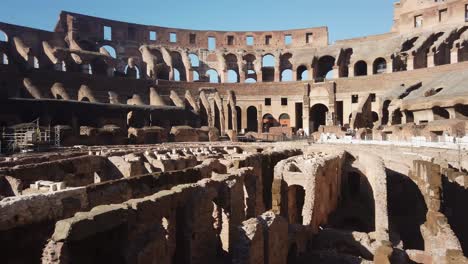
x,y
318,116
406,210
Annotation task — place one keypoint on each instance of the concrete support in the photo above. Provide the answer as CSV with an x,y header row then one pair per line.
x,y
306,110
244,119
370,68
277,74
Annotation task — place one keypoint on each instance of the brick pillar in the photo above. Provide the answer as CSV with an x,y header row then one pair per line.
x,y
260,119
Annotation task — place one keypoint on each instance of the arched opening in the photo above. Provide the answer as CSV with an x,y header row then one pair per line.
x,y
178,63
324,67
194,60
239,118
63,66
250,68
360,68
196,76
217,117
110,50
4,59
284,120
176,75
318,116
213,76
375,117
203,115
302,73
229,119
87,69
356,211
406,209
131,70
85,99
287,75
3,36
409,116
396,117
440,113
268,121
380,66
268,68
385,113
233,77
250,80
252,119
296,197
461,111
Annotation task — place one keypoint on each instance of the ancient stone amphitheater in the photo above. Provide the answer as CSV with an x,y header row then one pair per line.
x,y
128,143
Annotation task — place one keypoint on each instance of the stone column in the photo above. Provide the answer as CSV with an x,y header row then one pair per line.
x,y
259,119
294,75
430,59
277,73
244,119
389,65
410,62
310,71
454,55
306,110
351,71
336,72
370,68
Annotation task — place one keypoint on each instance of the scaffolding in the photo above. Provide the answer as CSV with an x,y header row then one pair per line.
x,y
27,137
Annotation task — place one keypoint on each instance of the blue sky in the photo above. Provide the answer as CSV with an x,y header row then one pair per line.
x,y
345,19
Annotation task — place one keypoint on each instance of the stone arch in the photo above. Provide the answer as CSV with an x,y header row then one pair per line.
x,y
213,76
109,50
360,68
252,119
233,77
268,121
178,63
268,68
232,67
397,117
296,199
302,73
324,65
318,116
3,36
284,120
4,59
461,111
194,60
239,118
196,76
287,75
379,66
131,70
440,113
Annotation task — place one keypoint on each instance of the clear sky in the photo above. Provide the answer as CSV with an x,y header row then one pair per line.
x,y
344,18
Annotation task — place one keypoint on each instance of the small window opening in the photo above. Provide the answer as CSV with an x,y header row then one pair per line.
x,y
153,35
211,43
284,101
268,39
309,38
267,101
230,40
192,38
107,33
173,37
250,40
288,40
354,98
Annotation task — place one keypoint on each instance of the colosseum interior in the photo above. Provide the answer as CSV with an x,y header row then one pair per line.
x,y
129,143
